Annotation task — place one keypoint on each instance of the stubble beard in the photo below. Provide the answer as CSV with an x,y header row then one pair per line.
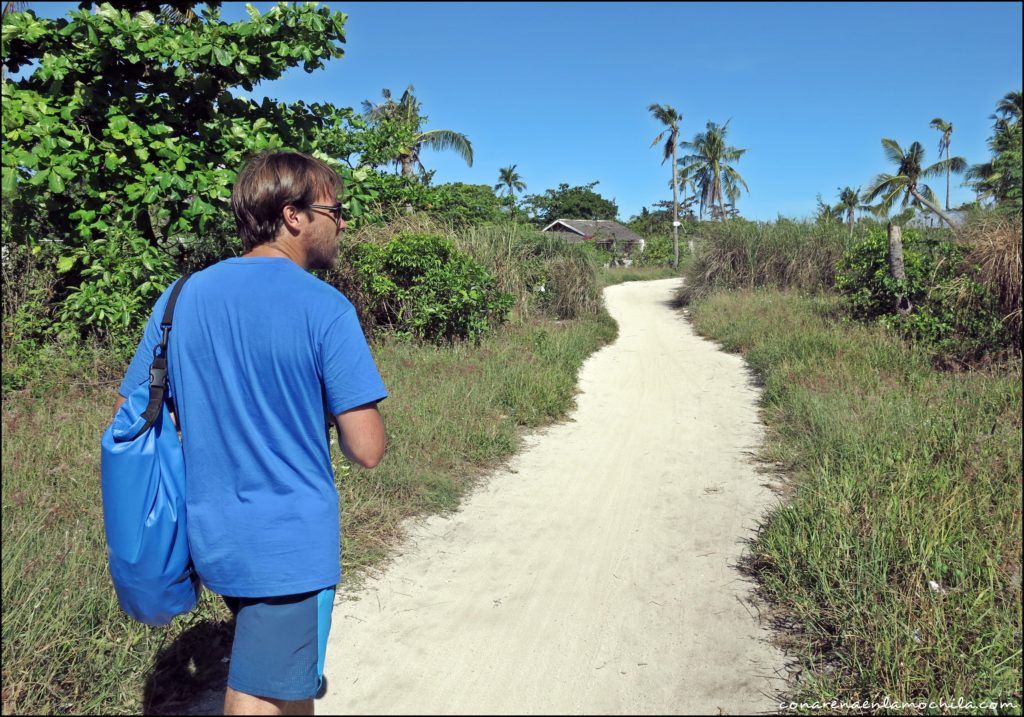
x,y
323,253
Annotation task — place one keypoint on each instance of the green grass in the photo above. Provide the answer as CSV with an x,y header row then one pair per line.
x,y
901,476
66,646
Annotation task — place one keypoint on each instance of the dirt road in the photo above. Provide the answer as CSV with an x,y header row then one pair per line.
x,y
595,574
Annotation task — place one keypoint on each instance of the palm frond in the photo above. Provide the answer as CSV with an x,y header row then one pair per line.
x,y
443,139
883,183
1011,106
893,152
956,165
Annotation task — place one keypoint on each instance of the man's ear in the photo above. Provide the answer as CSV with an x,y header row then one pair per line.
x,y
291,215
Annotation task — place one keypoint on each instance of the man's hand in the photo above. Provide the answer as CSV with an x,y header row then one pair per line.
x,y
117,406
362,436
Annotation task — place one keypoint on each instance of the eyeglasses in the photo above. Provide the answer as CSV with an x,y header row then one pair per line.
x,y
334,209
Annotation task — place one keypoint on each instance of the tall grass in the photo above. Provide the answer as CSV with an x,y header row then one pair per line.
x,y
899,552
547,274
994,246
739,254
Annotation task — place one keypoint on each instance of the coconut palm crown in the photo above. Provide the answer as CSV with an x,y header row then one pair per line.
x,y
849,203
710,166
511,182
1010,108
406,112
946,128
907,180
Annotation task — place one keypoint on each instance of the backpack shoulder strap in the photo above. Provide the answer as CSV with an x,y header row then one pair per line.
x,y
158,369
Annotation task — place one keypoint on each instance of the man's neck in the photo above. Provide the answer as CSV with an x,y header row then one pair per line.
x,y
277,249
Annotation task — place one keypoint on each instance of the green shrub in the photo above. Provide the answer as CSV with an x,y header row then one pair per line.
x,y
952,310
863,272
422,286
119,278
657,251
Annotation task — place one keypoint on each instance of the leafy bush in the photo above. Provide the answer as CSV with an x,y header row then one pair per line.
x,y
421,285
463,205
121,275
658,251
952,310
863,272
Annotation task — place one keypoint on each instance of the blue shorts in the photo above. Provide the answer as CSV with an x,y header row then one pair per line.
x,y
280,644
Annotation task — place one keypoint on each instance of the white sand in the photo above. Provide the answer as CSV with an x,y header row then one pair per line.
x,y
595,574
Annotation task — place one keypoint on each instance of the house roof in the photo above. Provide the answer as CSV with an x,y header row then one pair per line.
x,y
598,228
568,237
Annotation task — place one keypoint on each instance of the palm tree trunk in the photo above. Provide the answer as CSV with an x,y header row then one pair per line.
x,y
675,209
942,215
407,161
947,177
896,266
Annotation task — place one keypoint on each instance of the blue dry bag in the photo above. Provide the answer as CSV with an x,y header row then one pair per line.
x,y
143,478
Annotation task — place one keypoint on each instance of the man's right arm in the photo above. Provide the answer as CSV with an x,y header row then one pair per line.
x,y
361,432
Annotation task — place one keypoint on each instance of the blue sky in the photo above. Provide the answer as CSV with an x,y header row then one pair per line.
x,y
562,89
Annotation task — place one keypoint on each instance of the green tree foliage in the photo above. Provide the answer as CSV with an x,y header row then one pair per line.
x,y
128,125
650,223
657,221
464,205
422,286
580,202
1001,179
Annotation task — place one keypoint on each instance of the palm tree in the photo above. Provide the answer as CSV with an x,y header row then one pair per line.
x,y
671,118
826,213
510,181
406,112
710,167
947,132
1010,107
987,181
849,202
906,181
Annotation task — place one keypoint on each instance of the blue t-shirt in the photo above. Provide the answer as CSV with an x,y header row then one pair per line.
x,y
259,353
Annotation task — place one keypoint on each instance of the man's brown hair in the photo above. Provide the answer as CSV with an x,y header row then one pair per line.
x,y
271,181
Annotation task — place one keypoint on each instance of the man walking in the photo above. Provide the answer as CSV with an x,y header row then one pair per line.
x,y
260,352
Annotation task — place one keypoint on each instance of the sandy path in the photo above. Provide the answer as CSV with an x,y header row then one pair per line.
x,y
594,574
